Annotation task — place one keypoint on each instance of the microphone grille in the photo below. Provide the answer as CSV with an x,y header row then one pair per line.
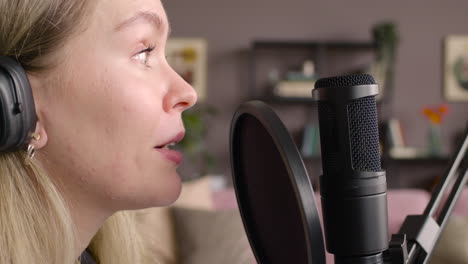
x,y
364,134
345,81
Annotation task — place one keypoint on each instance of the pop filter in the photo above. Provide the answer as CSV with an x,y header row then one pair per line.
x,y
273,190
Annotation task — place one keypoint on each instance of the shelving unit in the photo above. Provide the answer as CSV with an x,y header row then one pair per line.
x,y
330,59
276,57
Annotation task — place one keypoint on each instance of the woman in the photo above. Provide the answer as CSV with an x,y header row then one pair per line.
x,y
108,106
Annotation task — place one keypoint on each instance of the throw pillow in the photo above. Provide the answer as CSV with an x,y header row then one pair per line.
x,y
453,244
211,237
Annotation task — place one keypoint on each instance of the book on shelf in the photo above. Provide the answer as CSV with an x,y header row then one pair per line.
x,y
395,136
406,153
310,141
294,89
413,153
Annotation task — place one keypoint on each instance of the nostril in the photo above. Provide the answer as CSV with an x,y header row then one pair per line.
x,y
183,105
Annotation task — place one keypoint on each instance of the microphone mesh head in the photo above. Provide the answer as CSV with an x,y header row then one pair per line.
x,y
345,81
364,134
361,129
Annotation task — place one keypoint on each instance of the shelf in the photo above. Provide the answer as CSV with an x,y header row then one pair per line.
x,y
422,159
414,155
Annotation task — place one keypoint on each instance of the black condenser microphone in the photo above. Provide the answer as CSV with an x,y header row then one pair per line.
x,y
353,185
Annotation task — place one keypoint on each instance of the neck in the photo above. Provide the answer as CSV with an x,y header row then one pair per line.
x,y
88,216
87,223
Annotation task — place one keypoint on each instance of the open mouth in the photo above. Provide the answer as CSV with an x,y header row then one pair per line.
x,y
168,146
169,153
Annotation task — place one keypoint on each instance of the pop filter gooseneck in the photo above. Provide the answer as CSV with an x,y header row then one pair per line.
x,y
273,190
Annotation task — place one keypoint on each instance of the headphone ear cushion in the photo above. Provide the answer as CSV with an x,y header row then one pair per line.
x,y
17,109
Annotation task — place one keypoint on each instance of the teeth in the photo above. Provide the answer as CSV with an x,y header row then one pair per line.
x,y
169,145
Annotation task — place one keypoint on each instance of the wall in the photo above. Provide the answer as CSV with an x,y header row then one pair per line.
x,y
230,26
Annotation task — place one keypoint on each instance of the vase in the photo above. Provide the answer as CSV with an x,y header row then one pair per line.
x,y
434,140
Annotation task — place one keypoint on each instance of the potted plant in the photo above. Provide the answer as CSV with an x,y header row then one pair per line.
x,y
199,161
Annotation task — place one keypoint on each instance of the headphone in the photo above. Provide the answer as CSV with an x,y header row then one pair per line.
x,y
17,109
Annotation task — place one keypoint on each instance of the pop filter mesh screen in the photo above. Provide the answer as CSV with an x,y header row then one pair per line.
x,y
267,199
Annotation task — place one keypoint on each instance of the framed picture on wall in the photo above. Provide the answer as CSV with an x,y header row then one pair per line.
x,y
456,68
188,57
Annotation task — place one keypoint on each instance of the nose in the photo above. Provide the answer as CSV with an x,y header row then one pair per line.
x,y
181,95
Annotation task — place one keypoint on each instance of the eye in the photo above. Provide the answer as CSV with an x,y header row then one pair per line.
x,y
143,55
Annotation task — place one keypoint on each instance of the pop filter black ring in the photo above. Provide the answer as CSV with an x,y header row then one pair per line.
x,y
298,177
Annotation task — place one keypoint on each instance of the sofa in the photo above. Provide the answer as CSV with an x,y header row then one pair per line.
x,y
204,226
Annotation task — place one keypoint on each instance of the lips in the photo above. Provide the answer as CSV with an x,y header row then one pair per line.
x,y
172,141
170,154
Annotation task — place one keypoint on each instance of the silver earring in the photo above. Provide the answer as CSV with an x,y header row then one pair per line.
x,y
31,151
30,154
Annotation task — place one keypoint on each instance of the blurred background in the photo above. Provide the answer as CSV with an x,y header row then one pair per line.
x,y
274,50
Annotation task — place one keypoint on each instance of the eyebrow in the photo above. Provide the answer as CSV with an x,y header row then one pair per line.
x,y
144,16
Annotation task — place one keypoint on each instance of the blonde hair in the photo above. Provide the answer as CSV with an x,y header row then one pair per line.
x,y
35,221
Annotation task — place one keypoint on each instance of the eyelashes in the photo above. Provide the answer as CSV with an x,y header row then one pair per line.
x,y
148,50
143,55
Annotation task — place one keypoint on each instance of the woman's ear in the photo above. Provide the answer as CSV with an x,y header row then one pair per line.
x,y
39,137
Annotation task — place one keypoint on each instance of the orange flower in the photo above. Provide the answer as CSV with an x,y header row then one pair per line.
x,y
435,114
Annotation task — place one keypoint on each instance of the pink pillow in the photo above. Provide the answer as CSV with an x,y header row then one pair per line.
x,y
461,208
403,202
224,199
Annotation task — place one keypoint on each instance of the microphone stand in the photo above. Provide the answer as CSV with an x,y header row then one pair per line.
x,y
418,235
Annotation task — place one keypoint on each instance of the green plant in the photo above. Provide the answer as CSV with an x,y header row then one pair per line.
x,y
386,38
194,144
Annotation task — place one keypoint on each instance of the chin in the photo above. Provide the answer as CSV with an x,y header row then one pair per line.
x,y
168,192
163,193
171,193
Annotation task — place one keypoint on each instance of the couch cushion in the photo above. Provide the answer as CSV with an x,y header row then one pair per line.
x,y
211,237
158,223
453,243
157,226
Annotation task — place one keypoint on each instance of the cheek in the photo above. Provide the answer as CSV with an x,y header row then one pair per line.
x,y
116,103
134,182
121,121
103,133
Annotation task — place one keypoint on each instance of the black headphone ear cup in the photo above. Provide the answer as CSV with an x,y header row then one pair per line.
x,y
17,109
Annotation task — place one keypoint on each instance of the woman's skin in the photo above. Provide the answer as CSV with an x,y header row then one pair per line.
x,y
106,111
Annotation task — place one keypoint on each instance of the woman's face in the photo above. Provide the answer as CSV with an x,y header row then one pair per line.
x,y
110,107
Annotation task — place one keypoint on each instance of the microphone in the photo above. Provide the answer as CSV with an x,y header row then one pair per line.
x,y
353,185
277,201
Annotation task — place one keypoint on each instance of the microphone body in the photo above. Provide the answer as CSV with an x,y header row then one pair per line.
x,y
353,185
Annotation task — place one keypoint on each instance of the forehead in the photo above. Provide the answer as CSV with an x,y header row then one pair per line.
x,y
113,12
